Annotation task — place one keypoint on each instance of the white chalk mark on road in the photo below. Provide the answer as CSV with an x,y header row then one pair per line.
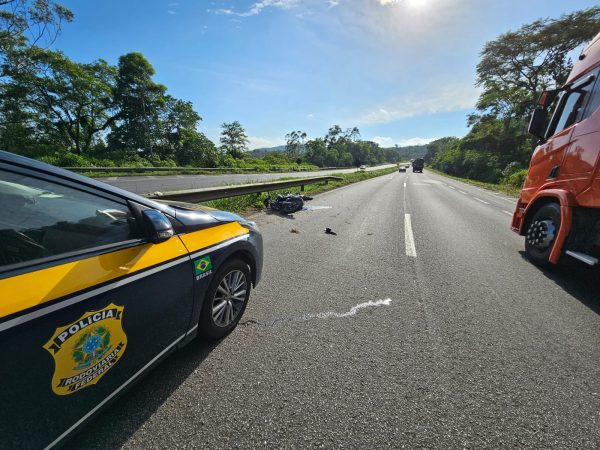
x,y
322,315
409,239
482,201
353,310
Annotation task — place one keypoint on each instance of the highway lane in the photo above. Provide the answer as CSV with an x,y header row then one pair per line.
x,y
361,341
144,184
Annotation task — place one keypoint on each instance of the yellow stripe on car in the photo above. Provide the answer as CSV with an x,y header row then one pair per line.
x,y
198,240
35,288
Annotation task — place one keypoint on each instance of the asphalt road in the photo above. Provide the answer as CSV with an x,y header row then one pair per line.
x,y
446,337
145,184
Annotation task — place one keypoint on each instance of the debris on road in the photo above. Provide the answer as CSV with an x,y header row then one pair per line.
x,y
330,231
295,231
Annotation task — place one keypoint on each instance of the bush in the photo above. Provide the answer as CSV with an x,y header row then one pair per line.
x,y
517,179
511,168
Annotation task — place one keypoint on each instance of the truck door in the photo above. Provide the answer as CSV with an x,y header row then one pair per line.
x,y
549,161
86,304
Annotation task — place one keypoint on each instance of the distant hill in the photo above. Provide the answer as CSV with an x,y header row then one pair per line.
x,y
260,152
404,153
409,152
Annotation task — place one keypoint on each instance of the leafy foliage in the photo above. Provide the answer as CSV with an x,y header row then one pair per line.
x,y
513,71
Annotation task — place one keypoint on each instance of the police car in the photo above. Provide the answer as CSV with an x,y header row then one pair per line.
x,y
97,285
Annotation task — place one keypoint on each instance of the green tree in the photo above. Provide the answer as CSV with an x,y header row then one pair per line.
x,y
140,102
67,102
295,144
518,65
25,24
234,141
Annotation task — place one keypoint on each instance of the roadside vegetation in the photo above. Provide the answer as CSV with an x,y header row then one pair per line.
x,y
510,187
513,71
255,202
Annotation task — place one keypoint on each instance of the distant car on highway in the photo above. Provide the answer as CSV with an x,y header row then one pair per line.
x,y
402,168
363,167
98,285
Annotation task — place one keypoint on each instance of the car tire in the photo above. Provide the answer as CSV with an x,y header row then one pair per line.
x,y
216,323
541,234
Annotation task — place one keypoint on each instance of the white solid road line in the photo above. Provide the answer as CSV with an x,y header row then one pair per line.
x,y
409,239
506,212
482,201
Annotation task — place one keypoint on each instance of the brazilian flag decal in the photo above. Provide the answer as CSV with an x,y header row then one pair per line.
x,y
202,265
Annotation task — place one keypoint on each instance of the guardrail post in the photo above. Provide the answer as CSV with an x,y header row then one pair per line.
x,y
302,188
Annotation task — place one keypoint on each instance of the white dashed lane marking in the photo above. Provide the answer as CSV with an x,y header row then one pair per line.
x,y
409,239
506,212
482,201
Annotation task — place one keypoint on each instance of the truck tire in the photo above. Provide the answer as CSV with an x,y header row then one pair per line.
x,y
229,291
541,234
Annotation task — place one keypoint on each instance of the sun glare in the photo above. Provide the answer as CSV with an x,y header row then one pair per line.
x,y
416,4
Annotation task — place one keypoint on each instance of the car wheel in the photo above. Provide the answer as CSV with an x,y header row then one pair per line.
x,y
541,234
226,300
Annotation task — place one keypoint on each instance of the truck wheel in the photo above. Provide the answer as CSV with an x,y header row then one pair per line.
x,y
225,300
541,234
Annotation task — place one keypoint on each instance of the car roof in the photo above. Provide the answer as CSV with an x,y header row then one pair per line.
x,y
28,163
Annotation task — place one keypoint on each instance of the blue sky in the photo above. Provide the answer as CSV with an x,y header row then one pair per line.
x,y
402,71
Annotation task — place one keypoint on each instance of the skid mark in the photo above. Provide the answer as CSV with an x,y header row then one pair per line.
x,y
322,315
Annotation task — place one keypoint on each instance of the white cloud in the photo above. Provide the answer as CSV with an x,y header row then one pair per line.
x,y
170,11
310,116
333,3
383,141
262,142
415,141
258,7
447,99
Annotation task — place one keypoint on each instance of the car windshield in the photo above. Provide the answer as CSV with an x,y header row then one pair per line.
x,y
332,229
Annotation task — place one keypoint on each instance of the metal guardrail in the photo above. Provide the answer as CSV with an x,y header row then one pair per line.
x,y
214,193
195,169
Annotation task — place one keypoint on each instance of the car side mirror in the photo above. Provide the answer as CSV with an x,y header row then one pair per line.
x,y
537,124
158,226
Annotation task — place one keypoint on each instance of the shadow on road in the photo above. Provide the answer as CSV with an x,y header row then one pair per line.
x,y
576,278
270,212
115,424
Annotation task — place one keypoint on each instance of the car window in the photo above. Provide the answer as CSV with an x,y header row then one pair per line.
x,y
41,219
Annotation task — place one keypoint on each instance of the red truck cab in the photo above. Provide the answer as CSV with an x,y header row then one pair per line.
x,y
558,210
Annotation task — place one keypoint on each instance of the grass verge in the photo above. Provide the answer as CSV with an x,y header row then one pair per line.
x,y
254,202
504,188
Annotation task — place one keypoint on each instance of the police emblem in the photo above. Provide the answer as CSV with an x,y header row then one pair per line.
x,y
85,350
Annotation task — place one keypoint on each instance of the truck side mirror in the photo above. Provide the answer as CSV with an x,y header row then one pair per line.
x,y
537,124
158,226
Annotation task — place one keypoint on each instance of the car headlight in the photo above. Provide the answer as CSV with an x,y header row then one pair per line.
x,y
249,224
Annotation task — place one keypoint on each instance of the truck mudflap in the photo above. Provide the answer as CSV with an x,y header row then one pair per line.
x,y
567,203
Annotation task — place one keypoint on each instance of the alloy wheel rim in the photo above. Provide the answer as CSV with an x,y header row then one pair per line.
x,y
229,298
